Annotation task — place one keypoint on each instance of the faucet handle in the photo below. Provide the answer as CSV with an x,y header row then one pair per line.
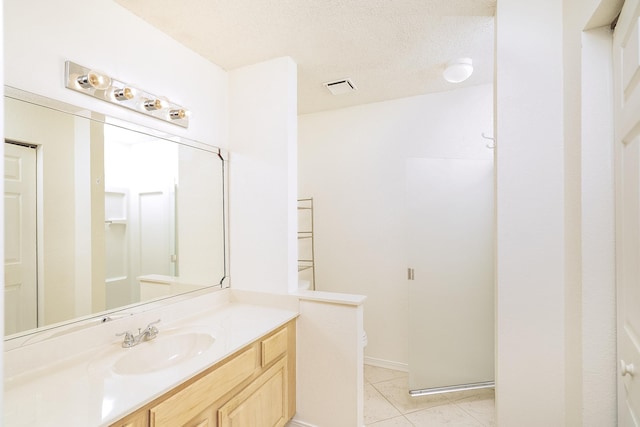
x,y
151,330
151,327
154,323
128,339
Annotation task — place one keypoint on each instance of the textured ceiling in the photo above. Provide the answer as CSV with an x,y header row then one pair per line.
x,y
389,48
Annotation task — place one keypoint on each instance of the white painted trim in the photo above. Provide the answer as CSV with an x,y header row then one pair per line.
x,y
298,423
389,364
598,295
330,297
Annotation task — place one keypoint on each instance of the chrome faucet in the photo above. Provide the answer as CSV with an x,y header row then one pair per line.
x,y
149,333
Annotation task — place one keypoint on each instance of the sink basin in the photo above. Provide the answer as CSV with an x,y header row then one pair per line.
x,y
162,352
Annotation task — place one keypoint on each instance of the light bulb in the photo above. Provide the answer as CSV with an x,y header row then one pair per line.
x,y
94,79
123,94
177,114
152,104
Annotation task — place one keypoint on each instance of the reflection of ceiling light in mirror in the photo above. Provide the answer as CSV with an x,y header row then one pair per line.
x,y
458,70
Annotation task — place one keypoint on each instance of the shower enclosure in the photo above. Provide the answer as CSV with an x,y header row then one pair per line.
x,y
450,219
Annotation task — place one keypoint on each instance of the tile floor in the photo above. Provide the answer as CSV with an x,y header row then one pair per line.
x,y
387,403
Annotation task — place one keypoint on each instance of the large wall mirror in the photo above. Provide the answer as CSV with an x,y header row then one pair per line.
x,y
102,215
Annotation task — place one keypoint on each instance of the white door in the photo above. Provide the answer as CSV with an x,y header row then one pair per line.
x,y
153,239
626,56
20,262
155,233
451,282
118,281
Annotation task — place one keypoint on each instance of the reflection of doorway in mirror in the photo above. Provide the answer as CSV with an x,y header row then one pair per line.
x,y
156,221
140,213
20,238
116,236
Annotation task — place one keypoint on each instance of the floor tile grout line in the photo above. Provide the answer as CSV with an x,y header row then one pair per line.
x,y
391,403
468,413
382,381
402,412
449,401
444,403
387,419
408,420
482,422
387,399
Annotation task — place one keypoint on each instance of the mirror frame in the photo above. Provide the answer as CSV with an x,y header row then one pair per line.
x,y
71,325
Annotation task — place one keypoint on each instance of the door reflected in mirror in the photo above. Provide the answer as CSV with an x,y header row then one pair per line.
x,y
100,217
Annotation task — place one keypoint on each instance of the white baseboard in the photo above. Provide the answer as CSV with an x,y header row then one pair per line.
x,y
298,423
381,363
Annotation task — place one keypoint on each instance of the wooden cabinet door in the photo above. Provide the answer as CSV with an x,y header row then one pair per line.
x,y
137,419
209,421
263,403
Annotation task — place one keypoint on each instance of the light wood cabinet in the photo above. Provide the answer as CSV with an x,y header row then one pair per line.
x,y
262,403
137,419
254,387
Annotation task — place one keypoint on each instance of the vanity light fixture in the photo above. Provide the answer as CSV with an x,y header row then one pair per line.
x,y
458,70
101,86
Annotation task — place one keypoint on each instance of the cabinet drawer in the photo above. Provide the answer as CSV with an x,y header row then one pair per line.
x,y
190,401
274,346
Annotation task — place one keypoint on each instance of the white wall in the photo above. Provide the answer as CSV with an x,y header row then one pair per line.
x,y
530,215
352,162
329,352
554,249
101,34
262,176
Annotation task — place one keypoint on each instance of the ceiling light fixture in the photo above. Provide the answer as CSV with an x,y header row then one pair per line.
x,y
101,86
458,70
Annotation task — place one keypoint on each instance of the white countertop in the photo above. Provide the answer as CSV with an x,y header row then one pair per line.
x,y
83,391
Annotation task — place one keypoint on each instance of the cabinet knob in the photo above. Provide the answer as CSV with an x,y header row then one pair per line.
x,y
626,368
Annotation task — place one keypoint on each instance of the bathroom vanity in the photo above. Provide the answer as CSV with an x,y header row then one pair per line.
x,y
254,386
214,362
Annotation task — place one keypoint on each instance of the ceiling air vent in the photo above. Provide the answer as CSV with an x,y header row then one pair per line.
x,y
340,87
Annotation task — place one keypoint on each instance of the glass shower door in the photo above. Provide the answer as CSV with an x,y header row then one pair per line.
x,y
450,219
